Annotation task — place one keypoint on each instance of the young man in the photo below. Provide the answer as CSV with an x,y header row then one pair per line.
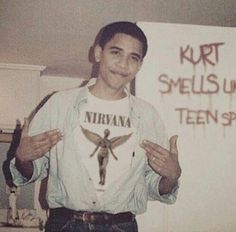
x,y
135,162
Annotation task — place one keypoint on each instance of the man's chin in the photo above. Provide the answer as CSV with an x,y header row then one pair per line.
x,y
117,87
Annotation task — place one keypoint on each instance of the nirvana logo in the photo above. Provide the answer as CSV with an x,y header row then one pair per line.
x,y
107,119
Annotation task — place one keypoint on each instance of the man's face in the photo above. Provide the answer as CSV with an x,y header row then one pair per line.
x,y
120,60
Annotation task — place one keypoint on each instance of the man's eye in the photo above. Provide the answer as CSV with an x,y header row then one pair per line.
x,y
135,59
114,52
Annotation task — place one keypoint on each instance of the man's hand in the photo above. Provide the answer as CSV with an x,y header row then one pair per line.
x,y
34,147
164,162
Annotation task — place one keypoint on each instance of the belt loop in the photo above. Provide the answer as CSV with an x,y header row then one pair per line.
x,y
85,216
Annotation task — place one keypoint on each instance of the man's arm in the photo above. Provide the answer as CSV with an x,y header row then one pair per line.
x,y
33,147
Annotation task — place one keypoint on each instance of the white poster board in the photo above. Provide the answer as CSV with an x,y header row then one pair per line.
x,y
189,75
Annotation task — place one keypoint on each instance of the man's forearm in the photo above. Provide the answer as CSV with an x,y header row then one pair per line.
x,y
26,168
166,185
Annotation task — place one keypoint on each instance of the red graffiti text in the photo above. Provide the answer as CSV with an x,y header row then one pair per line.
x,y
206,54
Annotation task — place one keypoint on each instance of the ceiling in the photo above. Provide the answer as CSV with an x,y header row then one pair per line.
x,y
58,33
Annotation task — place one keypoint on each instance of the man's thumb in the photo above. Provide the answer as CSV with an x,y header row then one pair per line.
x,y
25,128
173,144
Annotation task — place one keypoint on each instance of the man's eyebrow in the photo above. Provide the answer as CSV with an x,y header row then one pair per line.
x,y
133,53
115,47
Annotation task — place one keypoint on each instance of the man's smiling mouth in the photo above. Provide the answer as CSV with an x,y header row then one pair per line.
x,y
119,73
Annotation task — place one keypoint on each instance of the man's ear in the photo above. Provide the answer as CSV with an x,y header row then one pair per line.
x,y
97,53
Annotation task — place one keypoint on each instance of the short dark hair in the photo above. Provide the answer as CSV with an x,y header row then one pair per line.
x,y
129,28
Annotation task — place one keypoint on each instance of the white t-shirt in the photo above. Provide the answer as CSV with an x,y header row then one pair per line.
x,y
105,122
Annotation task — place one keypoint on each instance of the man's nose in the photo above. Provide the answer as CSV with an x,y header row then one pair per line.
x,y
123,62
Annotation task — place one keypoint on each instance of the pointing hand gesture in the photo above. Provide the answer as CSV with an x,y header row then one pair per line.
x,y
164,162
34,147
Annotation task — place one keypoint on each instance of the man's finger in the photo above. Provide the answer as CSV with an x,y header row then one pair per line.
x,y
55,139
146,144
53,133
25,128
173,145
46,135
43,146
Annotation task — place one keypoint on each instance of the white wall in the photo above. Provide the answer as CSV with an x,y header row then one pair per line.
x,y
207,151
22,88
19,92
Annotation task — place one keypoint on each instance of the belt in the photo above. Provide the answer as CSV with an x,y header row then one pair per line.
x,y
93,217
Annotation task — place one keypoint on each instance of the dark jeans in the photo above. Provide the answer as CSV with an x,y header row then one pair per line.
x,y
68,223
